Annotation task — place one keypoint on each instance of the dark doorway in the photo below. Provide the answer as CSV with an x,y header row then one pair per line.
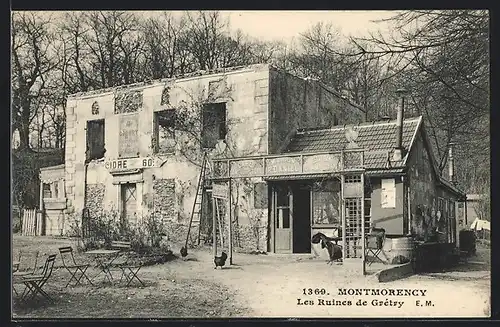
x,y
301,218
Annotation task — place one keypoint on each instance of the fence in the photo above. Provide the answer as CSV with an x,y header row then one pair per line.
x,y
32,223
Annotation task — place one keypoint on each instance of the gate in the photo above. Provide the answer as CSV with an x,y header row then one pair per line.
x,y
32,224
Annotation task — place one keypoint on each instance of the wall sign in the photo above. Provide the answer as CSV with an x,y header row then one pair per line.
x,y
388,193
128,136
220,191
131,163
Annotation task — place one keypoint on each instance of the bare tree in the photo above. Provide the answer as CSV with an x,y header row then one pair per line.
x,y
108,34
210,42
32,58
165,46
442,57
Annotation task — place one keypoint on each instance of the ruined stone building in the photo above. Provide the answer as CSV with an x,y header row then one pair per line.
x,y
137,149
289,147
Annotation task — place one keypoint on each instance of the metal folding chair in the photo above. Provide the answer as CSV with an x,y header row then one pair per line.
x,y
77,271
374,245
34,284
26,263
128,268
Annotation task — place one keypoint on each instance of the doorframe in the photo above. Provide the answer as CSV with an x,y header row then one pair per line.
x,y
139,189
272,218
273,215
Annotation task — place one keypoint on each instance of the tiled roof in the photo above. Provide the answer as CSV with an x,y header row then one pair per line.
x,y
296,177
377,138
452,187
391,171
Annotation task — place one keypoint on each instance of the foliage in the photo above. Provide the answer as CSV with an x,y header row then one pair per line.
x,y
100,231
255,216
482,208
26,166
442,58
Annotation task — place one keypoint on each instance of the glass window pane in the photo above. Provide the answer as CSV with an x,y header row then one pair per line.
x,y
47,193
56,189
286,217
282,197
326,208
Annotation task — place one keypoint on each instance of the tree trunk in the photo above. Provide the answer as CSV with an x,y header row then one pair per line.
x,y
24,135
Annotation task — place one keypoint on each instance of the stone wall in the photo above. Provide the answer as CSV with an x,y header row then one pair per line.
x,y
177,232
249,238
422,193
70,158
164,199
95,199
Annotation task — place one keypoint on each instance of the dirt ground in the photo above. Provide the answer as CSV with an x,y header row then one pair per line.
x,y
260,286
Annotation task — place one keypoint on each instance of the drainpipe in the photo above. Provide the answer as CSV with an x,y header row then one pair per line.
x,y
85,168
465,212
42,229
398,146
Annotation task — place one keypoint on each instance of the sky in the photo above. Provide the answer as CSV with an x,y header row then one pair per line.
x,y
285,25
274,25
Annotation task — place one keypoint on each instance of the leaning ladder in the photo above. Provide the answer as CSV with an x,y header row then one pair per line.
x,y
202,223
198,199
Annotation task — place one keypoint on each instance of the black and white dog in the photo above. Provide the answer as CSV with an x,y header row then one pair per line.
x,y
334,250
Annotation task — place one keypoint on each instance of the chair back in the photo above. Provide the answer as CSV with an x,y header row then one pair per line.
x,y
28,261
48,266
121,245
67,251
379,236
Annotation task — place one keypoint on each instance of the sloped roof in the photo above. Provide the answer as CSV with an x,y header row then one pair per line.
x,y
377,138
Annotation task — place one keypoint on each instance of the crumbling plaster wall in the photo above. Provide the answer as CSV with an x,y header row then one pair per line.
x,y
246,96
423,191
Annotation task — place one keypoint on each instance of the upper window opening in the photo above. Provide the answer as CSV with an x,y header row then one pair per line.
x,y
214,124
95,139
164,131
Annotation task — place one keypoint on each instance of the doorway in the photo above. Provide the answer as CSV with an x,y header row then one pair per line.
x,y
283,221
292,217
301,219
129,202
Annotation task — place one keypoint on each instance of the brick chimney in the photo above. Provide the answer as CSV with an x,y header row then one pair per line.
x,y
398,146
451,164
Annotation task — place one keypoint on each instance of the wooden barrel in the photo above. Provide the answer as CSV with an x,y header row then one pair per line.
x,y
402,250
467,241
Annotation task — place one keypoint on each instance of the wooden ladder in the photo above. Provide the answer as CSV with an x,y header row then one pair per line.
x,y
219,216
198,200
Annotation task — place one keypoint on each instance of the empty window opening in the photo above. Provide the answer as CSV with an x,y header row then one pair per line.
x,y
214,124
164,131
95,139
47,191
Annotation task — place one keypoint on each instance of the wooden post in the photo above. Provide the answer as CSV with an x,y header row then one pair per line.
x,y
230,223
409,209
39,228
41,195
214,228
465,212
342,208
363,239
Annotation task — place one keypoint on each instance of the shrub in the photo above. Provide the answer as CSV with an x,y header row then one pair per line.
x,y
145,236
